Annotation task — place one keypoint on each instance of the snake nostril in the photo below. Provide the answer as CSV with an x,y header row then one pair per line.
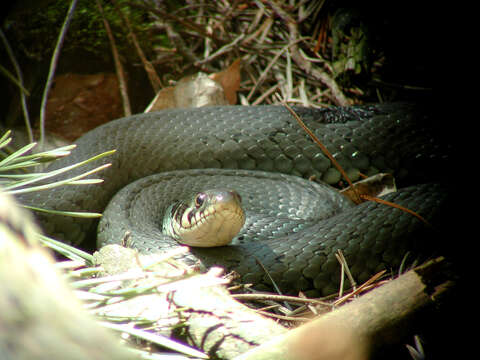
x,y
238,197
235,195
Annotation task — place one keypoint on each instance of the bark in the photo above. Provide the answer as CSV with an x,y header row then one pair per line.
x,y
40,317
380,317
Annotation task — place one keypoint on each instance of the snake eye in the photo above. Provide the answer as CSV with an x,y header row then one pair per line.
x,y
200,199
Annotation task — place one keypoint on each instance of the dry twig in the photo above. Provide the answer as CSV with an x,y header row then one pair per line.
x,y
149,69
206,37
23,91
364,324
118,65
53,66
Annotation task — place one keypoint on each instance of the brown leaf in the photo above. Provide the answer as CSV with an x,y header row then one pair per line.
x,y
78,103
374,186
200,90
230,80
191,91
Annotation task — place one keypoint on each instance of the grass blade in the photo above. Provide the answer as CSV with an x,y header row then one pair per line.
x,y
68,181
76,214
5,139
65,249
11,158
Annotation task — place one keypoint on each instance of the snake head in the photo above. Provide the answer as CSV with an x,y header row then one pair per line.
x,y
206,219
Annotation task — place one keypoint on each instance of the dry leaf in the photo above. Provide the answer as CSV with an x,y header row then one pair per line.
x,y
200,90
78,103
230,80
375,186
191,91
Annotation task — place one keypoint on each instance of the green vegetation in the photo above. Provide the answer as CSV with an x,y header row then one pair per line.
x,y
37,36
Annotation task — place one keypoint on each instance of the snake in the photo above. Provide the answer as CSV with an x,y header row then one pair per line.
x,y
295,219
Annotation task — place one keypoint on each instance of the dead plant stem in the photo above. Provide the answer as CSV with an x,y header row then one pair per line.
x,y
122,83
53,66
23,91
149,69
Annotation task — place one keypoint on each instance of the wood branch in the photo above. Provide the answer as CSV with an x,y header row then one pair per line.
x,y
41,318
220,325
147,65
373,320
35,301
118,65
214,322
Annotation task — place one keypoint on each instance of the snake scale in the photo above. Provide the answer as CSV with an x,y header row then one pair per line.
x,y
267,155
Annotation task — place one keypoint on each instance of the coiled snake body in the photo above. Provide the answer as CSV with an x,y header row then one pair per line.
x,y
262,146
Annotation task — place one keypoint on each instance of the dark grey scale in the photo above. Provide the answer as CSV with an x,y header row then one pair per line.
x,y
294,244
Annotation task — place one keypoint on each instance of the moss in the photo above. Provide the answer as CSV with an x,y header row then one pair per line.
x,y
37,37
351,48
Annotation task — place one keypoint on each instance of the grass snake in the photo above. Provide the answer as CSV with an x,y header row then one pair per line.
x,y
262,153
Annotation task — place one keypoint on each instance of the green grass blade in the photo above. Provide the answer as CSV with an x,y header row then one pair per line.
x,y
19,176
19,165
5,139
65,249
9,159
44,176
68,181
76,214
50,155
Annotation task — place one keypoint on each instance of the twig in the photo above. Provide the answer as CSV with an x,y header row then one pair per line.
x,y
337,94
275,297
150,70
345,270
265,27
118,65
270,65
355,192
400,207
263,32
266,94
309,306
322,147
361,288
187,24
224,49
275,286
282,317
23,91
180,46
366,323
53,66
289,75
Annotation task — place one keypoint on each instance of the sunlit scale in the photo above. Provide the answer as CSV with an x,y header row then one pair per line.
x,y
210,218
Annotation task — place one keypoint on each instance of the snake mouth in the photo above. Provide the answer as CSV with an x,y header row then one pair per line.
x,y
207,219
